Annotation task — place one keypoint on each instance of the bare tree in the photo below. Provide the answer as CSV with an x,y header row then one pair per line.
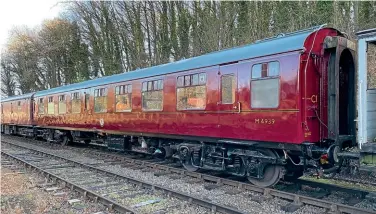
x,y
8,83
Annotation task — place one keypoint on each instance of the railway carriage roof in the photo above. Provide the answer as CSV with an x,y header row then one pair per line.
x,y
279,44
18,97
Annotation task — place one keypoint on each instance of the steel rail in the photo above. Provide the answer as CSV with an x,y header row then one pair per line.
x,y
201,202
332,187
74,187
297,199
354,181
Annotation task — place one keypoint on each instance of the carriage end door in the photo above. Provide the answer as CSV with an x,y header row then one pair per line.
x,y
228,101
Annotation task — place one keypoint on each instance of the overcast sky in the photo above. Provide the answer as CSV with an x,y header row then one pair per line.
x,y
25,12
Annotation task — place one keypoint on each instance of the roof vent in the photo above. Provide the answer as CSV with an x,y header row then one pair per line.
x,y
280,35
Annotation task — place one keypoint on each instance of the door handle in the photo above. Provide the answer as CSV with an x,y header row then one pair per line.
x,y
239,107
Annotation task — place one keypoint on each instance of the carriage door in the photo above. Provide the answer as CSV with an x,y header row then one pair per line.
x,y
87,104
31,110
228,104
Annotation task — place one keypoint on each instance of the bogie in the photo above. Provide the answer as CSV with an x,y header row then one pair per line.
x,y
262,167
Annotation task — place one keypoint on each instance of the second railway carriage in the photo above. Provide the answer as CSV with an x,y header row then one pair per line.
x,y
265,110
17,114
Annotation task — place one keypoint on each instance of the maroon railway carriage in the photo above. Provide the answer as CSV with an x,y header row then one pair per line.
x,y
264,111
16,112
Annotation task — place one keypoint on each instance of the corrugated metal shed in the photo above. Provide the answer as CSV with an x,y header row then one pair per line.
x,y
371,115
278,44
366,97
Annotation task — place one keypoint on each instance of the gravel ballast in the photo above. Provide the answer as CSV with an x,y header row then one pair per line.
x,y
20,193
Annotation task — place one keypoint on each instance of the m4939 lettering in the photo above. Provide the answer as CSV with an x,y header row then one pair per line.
x,y
264,121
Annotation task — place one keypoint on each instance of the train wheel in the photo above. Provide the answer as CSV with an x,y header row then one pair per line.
x,y
66,140
186,160
272,173
189,166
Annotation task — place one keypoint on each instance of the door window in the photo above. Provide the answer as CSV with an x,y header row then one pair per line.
x,y
265,85
228,88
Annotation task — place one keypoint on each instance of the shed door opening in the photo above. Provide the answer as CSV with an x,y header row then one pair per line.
x,y
346,94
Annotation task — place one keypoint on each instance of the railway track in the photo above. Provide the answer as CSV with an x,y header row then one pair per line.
x,y
262,194
118,192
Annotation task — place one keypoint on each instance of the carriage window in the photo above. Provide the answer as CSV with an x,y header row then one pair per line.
x,y
76,102
152,95
180,82
144,86
228,88
202,79
123,95
40,106
62,105
194,79
191,92
273,69
100,100
19,106
187,80
51,106
2,109
265,85
11,107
